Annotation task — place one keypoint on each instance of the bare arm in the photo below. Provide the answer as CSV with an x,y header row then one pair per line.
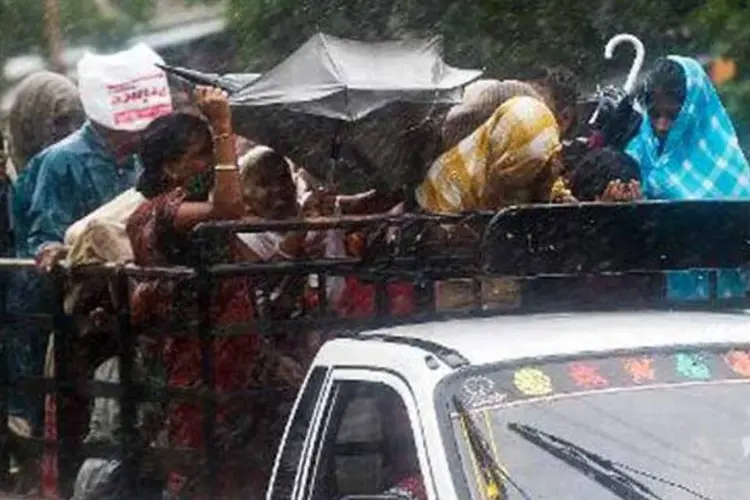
x,y
226,201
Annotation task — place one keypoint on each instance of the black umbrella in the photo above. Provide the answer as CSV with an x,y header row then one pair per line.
x,y
368,112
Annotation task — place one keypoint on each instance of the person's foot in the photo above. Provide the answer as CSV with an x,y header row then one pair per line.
x,y
25,471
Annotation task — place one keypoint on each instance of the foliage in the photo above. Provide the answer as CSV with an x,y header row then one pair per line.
x,y
721,28
736,98
22,23
507,38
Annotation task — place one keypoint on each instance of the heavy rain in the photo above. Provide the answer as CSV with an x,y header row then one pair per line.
x,y
392,250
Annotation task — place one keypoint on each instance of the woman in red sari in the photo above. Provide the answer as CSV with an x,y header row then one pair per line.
x,y
184,157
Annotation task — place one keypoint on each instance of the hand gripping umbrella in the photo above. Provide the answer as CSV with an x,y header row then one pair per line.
x,y
615,117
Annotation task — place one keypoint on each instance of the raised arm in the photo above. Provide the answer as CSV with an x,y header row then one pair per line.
x,y
226,202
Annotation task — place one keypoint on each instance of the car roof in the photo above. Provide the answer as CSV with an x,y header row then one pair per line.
x,y
508,337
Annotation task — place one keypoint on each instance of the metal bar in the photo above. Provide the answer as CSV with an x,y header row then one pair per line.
x,y
179,459
404,267
395,267
143,392
322,291
284,267
9,263
131,442
477,304
338,222
426,297
44,321
204,283
159,272
713,287
107,269
63,338
382,300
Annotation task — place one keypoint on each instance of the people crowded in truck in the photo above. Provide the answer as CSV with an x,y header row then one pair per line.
x,y
501,146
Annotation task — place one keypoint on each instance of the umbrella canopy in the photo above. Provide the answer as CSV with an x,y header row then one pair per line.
x,y
346,79
383,150
396,92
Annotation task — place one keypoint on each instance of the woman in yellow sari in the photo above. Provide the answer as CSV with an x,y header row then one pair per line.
x,y
511,159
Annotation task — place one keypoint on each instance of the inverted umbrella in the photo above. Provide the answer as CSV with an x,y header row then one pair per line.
x,y
374,108
348,79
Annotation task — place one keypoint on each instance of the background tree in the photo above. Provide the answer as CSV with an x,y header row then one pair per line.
x,y
507,38
721,28
101,23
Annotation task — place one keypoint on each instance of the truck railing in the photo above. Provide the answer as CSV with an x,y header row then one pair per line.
x,y
70,449
526,244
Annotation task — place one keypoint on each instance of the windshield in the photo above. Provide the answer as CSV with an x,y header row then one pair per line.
x,y
675,423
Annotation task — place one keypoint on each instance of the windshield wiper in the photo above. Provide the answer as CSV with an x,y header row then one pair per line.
x,y
604,471
492,472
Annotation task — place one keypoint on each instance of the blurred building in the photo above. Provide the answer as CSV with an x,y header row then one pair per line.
x,y
191,36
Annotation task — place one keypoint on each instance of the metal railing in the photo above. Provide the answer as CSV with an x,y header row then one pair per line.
x,y
412,248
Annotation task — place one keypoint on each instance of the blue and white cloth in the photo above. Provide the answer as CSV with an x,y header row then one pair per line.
x,y
700,160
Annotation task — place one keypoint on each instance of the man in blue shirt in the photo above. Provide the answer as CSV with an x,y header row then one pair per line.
x,y
66,182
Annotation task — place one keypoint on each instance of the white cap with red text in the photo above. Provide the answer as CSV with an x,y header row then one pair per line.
x,y
126,90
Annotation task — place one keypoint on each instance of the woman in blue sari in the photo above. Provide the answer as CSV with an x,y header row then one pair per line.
x,y
687,149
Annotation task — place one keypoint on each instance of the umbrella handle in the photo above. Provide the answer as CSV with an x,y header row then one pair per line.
x,y
640,53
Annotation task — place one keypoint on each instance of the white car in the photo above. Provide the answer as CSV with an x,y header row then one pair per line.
x,y
637,405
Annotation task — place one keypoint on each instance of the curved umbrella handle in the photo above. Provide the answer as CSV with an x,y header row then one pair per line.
x,y
640,53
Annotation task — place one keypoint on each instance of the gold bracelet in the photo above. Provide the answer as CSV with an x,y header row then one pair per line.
x,y
225,168
223,136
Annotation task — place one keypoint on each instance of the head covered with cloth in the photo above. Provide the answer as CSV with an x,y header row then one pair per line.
x,y
47,108
688,148
508,160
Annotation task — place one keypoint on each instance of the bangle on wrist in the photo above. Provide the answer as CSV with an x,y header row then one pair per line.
x,y
224,136
226,168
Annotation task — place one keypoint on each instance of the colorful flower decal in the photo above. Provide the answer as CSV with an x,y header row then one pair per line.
x,y
586,375
739,362
691,365
640,369
532,382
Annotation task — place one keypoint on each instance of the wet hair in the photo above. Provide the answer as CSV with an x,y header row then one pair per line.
x,y
263,166
597,169
668,77
562,84
165,140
